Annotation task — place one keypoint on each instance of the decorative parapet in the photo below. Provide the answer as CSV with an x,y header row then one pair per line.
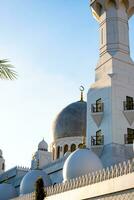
x,y
23,168
92,178
88,179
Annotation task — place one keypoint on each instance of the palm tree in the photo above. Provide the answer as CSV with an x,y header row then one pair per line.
x,y
7,70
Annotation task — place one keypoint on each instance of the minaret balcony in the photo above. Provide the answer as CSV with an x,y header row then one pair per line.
x,y
97,140
128,111
129,139
97,111
128,105
96,108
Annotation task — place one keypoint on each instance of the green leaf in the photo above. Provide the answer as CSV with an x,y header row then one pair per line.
x,y
7,70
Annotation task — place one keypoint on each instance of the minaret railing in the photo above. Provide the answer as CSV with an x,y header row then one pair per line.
x,y
129,139
97,140
97,107
128,105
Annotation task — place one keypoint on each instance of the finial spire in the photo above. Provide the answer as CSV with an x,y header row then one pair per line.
x,y
81,90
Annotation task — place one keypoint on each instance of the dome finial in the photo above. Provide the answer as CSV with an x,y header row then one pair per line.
x,y
81,90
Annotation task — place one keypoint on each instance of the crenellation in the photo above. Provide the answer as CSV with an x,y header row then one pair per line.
x,y
88,179
23,168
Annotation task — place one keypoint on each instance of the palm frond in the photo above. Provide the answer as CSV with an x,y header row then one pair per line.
x,y
7,70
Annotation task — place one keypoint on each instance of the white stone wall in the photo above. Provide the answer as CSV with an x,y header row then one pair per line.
x,y
114,72
101,89
122,86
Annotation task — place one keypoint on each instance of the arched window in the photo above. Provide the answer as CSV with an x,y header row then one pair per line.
x,y
58,152
125,3
3,166
110,4
98,8
73,147
53,153
99,138
80,145
65,148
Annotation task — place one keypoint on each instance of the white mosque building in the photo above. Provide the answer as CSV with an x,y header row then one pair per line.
x,y
91,155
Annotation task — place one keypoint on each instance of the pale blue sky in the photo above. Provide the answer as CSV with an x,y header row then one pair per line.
x,y
54,46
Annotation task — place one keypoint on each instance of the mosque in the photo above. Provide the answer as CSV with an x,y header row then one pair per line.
x,y
91,155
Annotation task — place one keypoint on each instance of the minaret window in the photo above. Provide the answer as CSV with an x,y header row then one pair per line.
x,y
111,4
65,148
129,137
53,153
73,147
97,107
3,166
98,139
58,152
129,103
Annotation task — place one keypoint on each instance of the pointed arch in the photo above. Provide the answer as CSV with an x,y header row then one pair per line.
x,y
3,166
58,152
131,12
110,4
124,3
65,148
53,153
73,147
99,8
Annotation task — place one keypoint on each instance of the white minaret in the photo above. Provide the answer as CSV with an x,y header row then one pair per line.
x,y
41,157
2,163
110,104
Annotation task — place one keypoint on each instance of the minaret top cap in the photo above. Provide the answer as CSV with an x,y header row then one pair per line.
x,y
98,6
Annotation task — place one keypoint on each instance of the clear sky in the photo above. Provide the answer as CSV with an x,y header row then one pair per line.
x,y
54,46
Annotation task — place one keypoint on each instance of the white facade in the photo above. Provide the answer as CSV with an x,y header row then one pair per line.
x,y
114,74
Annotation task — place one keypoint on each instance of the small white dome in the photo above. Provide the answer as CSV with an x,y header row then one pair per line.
x,y
28,182
43,145
81,162
7,191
